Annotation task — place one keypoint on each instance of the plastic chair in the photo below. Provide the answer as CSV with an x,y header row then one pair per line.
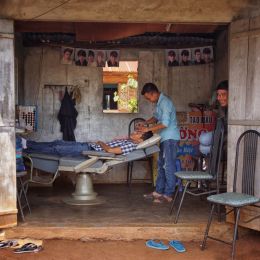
x,y
131,128
245,163
22,200
197,176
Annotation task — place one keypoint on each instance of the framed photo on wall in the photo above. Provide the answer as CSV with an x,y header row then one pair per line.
x,y
185,57
91,58
172,57
81,57
113,58
101,58
207,54
197,57
67,55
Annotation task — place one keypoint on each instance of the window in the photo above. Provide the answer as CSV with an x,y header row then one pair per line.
x,y
120,88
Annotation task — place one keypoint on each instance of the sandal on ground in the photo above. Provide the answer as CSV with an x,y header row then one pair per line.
x,y
8,243
152,195
157,245
177,245
28,248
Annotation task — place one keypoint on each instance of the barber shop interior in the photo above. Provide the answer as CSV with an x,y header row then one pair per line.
x,y
122,130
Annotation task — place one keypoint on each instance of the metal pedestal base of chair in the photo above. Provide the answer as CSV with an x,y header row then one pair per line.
x,y
84,193
21,193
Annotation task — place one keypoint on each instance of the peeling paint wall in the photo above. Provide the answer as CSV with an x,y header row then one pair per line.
x,y
42,66
7,131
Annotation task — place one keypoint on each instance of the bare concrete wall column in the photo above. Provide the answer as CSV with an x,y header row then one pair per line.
x,y
7,130
244,98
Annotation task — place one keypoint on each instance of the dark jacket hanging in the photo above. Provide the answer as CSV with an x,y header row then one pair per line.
x,y
67,117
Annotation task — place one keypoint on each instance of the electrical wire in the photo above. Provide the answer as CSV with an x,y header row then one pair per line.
x,y
50,10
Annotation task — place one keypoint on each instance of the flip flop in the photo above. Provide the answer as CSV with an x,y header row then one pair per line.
x,y
152,196
177,245
156,245
8,243
28,248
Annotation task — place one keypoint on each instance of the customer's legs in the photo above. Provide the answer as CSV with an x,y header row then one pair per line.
x,y
71,148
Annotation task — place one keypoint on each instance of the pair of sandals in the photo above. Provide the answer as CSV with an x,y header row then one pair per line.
x,y
26,248
8,243
158,198
175,244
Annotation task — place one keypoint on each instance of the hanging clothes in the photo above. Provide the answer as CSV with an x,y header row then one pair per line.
x,y
67,117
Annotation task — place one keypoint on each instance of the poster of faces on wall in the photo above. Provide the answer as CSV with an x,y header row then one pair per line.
x,y
67,55
197,58
113,58
172,57
101,58
91,55
207,54
81,57
186,57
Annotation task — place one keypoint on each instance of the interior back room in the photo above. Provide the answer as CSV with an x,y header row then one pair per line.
x,y
40,66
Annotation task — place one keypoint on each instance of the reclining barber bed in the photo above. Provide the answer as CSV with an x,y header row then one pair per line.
x,y
93,163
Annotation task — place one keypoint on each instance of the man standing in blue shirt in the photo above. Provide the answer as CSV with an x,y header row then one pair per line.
x,y
163,121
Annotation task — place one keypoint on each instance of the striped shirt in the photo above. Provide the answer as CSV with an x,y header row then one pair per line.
x,y
127,146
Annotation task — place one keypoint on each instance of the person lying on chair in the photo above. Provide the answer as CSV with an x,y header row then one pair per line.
x,y
123,146
71,148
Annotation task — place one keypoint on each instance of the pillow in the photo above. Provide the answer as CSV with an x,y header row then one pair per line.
x,y
149,142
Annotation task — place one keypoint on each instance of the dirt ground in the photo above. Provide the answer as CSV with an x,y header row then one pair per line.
x,y
248,247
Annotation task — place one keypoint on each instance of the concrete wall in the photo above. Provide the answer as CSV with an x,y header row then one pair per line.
x,y
42,66
7,131
244,105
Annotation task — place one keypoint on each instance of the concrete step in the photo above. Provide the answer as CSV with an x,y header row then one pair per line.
x,y
184,232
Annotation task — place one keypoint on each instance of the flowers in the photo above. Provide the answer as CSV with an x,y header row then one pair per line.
x,y
126,96
131,82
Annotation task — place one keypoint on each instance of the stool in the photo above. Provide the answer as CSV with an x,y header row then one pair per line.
x,y
22,186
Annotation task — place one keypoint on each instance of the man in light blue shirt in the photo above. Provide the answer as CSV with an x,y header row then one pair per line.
x,y
165,123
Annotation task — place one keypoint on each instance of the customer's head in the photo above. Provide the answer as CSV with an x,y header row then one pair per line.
x,y
150,92
140,137
222,93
